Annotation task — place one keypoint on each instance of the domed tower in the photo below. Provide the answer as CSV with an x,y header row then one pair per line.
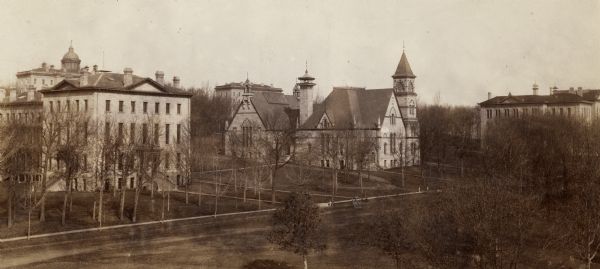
x,y
70,62
404,88
304,93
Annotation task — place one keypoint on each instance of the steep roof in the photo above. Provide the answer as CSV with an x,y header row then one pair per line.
x,y
276,110
105,81
349,107
403,70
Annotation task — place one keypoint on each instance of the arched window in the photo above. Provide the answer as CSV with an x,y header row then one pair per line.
x,y
384,148
411,109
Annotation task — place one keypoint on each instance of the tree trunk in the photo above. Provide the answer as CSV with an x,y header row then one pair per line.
x,y
168,201
362,190
135,203
10,205
305,262
94,211
122,204
216,196
200,196
65,201
273,184
245,186
162,211
43,202
100,203
187,201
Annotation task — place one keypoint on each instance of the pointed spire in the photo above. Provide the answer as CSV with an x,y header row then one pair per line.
x,y
403,70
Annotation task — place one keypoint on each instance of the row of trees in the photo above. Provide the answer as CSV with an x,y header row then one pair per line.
x,y
73,149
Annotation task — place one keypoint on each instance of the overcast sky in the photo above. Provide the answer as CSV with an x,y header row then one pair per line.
x,y
461,49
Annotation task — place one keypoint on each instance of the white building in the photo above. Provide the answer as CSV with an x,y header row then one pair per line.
x,y
126,104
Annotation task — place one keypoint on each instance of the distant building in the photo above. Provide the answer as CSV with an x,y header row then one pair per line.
x,y
47,75
583,104
387,116
235,90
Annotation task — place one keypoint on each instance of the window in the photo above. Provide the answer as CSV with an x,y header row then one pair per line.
x,y
393,143
246,136
156,108
145,133
51,104
120,106
120,135
77,104
85,105
178,134
132,132
384,148
178,109
58,105
145,107
68,105
107,105
167,129
393,119
178,159
106,130
132,182
168,108
132,106
167,161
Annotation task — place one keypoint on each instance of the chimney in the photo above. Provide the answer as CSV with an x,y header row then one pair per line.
x,y
84,78
176,81
535,89
51,66
45,66
128,76
13,95
489,95
160,77
95,69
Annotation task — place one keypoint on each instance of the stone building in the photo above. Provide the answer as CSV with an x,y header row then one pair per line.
x,y
130,107
387,117
47,75
583,104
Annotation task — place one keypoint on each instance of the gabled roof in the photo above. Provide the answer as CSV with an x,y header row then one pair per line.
x,y
556,98
114,82
349,107
403,70
276,110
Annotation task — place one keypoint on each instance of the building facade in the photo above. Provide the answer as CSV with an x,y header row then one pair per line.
x,y
332,133
47,75
137,110
582,104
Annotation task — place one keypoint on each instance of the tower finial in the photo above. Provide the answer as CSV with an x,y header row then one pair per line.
x,y
71,44
306,66
403,47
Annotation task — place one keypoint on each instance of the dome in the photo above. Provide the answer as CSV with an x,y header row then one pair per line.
x,y
71,55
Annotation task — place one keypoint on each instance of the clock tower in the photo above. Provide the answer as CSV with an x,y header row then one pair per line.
x,y
404,88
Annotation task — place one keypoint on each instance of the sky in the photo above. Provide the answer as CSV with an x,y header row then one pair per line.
x,y
459,50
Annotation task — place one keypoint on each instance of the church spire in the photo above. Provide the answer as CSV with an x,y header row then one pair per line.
x,y
403,70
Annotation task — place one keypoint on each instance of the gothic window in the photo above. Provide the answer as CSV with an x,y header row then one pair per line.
x,y
412,107
384,148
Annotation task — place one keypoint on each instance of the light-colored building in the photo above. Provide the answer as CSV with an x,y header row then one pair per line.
x,y
583,104
138,107
47,75
388,117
